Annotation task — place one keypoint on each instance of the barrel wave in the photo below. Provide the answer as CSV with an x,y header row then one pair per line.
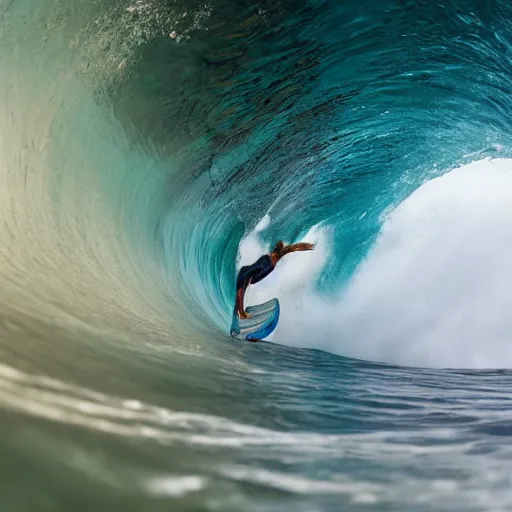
x,y
149,149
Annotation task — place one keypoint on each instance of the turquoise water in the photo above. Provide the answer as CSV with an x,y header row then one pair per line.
x,y
148,149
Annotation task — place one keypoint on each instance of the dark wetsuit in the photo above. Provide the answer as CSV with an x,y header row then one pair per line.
x,y
254,273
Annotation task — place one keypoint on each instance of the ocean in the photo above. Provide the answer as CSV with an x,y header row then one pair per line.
x,y
149,148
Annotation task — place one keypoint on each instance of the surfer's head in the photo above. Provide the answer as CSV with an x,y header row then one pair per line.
x,y
277,252
278,249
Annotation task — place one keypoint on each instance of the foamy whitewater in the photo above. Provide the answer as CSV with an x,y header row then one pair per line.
x,y
149,149
438,274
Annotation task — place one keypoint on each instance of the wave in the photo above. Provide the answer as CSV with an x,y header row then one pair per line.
x,y
150,148
118,216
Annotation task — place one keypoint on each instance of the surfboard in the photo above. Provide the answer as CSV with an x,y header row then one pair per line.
x,y
262,322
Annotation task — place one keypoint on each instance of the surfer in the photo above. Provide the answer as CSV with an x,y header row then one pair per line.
x,y
252,274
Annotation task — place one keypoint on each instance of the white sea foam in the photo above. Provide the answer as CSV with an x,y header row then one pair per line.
x,y
435,289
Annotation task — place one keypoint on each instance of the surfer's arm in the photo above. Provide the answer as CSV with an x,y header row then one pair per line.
x,y
301,246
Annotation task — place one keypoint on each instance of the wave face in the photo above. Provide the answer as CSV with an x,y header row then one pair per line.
x,y
148,149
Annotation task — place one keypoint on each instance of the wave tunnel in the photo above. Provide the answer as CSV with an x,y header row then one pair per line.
x,y
149,149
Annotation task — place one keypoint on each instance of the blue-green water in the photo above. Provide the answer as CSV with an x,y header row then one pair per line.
x,y
150,148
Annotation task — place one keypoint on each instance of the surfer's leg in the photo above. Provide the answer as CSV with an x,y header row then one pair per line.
x,y
242,276
242,281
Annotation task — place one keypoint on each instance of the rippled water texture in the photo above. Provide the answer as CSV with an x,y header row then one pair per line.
x,y
148,149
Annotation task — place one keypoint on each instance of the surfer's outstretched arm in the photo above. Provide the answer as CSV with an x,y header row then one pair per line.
x,y
301,246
